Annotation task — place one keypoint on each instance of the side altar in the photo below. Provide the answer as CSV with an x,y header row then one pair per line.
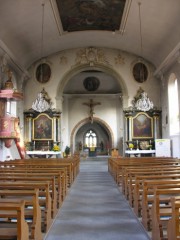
x,y
142,124
42,127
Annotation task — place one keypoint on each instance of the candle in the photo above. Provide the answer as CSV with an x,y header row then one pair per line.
x,y
48,143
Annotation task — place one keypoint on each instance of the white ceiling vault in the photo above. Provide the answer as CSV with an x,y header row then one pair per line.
x,y
21,29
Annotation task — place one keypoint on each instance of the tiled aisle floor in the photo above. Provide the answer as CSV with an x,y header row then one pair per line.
x,y
95,209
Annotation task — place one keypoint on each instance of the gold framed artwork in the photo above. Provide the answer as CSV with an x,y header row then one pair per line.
x,y
142,126
140,72
43,127
43,73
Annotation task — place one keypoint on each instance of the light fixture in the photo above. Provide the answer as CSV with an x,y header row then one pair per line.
x,y
140,32
140,71
42,43
178,58
43,70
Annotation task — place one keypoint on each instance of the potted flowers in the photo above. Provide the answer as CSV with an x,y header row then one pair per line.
x,y
67,151
131,146
56,148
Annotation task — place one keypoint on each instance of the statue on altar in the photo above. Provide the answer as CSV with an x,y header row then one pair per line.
x,y
41,104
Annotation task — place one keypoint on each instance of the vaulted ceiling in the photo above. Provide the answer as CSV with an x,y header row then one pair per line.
x,y
89,23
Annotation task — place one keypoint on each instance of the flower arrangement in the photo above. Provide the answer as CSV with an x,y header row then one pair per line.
x,y
56,148
131,145
67,150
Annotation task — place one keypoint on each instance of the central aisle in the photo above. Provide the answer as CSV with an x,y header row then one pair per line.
x,y
94,209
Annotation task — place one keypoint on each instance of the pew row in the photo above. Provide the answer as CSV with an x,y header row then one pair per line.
x,y
18,230
173,230
162,211
32,211
44,200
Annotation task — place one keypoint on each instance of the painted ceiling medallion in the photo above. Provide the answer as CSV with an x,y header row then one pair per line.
x,y
91,83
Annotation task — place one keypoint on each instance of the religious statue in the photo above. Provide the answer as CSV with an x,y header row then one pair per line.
x,y
40,104
91,105
9,83
144,104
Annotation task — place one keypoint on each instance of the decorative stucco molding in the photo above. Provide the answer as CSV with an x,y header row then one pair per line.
x,y
90,56
119,59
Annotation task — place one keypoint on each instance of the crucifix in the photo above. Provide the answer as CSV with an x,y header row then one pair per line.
x,y
91,105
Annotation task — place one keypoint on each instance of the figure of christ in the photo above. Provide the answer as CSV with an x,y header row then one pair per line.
x,y
91,104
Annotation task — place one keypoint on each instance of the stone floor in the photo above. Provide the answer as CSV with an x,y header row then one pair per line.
x,y
95,209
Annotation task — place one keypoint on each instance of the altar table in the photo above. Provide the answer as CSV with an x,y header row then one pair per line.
x,y
46,154
139,153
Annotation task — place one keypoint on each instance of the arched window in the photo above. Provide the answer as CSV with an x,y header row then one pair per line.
x,y
91,139
173,105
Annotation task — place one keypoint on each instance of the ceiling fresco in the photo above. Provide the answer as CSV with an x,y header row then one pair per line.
x,y
79,15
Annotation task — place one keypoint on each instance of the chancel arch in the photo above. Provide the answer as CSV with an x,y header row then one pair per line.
x,y
106,69
97,82
99,129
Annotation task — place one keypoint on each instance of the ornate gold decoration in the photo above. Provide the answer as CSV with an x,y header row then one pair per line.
x,y
90,56
142,102
8,83
119,59
63,60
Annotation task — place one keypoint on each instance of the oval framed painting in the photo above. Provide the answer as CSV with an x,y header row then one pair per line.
x,y
43,73
140,72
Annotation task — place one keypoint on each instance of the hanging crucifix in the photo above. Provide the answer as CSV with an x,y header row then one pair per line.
x,y
91,105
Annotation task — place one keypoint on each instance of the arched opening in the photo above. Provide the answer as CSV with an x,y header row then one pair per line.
x,y
173,100
98,83
92,139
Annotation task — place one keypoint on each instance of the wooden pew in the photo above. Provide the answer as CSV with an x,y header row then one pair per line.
x,y
38,177
162,211
144,170
173,230
58,179
136,185
44,200
136,180
116,165
147,196
72,165
18,231
31,198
